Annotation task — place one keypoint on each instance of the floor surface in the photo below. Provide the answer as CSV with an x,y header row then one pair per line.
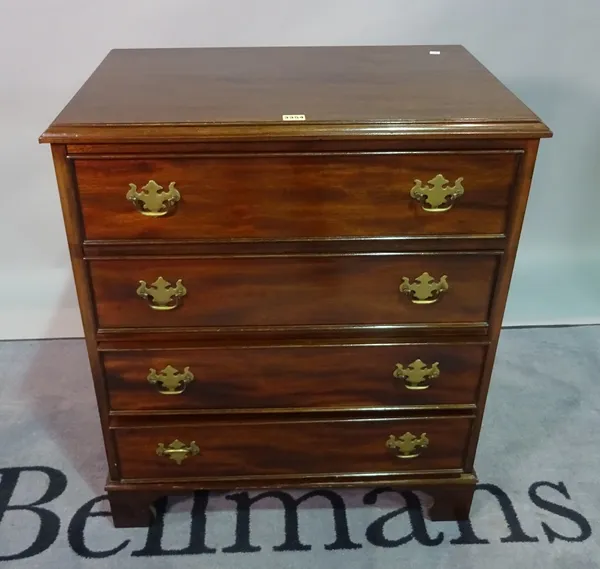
x,y
538,504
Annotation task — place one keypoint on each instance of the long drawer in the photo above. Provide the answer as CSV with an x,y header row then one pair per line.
x,y
302,290
295,196
294,377
299,448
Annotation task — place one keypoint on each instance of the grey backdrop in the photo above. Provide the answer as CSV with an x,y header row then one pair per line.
x,y
546,51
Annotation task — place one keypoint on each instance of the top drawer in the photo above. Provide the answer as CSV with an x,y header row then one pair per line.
x,y
297,196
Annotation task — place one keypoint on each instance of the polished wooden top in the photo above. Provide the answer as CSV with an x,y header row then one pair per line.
x,y
191,93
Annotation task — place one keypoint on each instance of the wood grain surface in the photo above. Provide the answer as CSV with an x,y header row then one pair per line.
x,y
274,448
288,377
223,85
294,290
297,195
292,239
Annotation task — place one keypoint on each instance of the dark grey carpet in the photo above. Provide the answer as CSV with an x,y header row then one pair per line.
x,y
538,505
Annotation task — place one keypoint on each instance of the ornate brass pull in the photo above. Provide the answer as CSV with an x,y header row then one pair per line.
x,y
417,375
177,451
161,295
169,381
424,290
406,445
152,200
437,196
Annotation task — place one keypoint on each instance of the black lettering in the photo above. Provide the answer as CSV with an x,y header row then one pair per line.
x,y
292,535
585,530
197,544
467,535
49,521
375,531
242,525
76,531
517,534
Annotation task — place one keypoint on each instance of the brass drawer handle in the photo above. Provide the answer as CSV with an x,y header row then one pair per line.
x,y
170,381
424,290
161,295
152,200
406,445
417,375
437,196
177,451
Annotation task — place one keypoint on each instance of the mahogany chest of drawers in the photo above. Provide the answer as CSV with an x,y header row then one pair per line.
x,y
292,264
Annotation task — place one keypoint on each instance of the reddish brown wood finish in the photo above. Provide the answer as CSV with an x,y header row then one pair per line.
x,y
174,248
444,498
325,377
450,502
292,291
132,509
148,337
124,150
292,239
344,92
74,231
517,214
292,448
286,196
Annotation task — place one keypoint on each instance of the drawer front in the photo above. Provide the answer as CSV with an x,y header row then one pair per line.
x,y
296,196
288,291
294,377
275,448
